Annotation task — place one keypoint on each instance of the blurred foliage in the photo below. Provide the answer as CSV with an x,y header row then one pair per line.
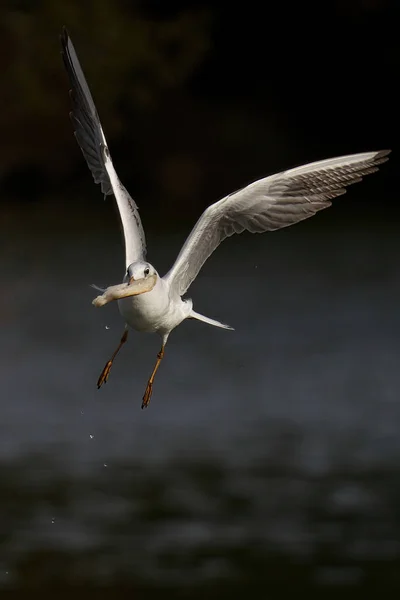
x,y
196,100
142,57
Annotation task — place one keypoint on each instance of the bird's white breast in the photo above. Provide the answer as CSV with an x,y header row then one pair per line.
x,y
154,310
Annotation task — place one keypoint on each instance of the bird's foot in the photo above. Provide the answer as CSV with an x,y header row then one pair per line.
x,y
104,374
147,395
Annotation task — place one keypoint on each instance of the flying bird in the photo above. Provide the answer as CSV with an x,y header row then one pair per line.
x,y
151,303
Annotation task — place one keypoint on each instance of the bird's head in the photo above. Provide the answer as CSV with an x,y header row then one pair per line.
x,y
139,270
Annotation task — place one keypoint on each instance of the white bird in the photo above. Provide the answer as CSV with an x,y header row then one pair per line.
x,y
265,205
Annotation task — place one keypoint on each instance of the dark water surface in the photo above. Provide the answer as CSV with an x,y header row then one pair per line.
x,y
268,455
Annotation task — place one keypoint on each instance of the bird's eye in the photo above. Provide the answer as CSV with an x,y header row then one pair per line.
x,y
146,271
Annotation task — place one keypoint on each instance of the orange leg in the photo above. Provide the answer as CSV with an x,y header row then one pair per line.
x,y
106,371
149,388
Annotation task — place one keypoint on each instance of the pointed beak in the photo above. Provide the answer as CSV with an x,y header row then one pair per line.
x,y
134,288
140,286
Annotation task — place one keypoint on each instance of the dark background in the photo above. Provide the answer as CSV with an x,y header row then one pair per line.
x,y
268,459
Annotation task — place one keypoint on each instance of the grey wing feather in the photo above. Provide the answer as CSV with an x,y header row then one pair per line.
x,y
91,139
84,116
269,204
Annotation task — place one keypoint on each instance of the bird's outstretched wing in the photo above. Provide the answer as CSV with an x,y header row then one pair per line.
x,y
268,204
90,136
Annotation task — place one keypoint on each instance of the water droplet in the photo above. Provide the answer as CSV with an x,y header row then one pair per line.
x,y
91,436
105,465
52,519
107,327
81,412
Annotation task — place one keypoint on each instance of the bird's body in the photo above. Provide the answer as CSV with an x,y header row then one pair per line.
x,y
268,204
156,311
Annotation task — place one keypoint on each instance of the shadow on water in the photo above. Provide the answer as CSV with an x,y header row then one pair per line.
x,y
268,457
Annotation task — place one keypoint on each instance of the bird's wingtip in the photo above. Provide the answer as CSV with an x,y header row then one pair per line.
x,y
64,35
382,155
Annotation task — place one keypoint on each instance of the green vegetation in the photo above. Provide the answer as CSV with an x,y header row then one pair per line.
x,y
129,58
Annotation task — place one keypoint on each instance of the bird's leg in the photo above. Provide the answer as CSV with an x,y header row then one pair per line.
x,y
106,371
149,388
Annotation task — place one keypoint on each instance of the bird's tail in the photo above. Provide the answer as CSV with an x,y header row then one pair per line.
x,y
195,315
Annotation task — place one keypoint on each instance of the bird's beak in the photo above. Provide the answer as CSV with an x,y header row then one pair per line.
x,y
140,286
134,288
